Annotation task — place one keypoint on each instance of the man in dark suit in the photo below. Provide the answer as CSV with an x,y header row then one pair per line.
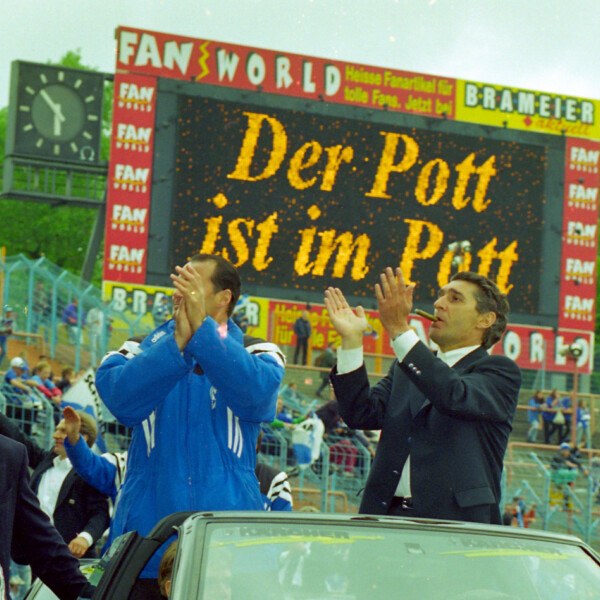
x,y
25,527
79,511
445,419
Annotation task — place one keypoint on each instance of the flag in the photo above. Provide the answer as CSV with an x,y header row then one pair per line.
x,y
83,395
307,437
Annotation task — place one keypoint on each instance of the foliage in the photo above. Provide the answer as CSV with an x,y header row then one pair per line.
x,y
61,233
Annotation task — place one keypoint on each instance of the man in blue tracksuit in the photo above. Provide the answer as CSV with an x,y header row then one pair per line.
x,y
195,398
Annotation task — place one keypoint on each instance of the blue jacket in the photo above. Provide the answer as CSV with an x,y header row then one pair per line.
x,y
105,472
195,417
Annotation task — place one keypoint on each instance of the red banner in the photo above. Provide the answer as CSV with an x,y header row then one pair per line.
x,y
130,179
543,348
530,347
242,67
580,235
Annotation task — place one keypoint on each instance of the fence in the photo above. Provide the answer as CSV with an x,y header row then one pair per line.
x,y
565,500
63,314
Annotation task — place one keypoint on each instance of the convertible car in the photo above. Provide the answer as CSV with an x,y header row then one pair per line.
x,y
301,556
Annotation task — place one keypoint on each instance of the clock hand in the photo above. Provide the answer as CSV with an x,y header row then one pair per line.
x,y
55,107
57,123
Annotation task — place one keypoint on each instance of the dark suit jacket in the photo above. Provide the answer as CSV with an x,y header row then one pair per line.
x,y
24,525
454,422
79,506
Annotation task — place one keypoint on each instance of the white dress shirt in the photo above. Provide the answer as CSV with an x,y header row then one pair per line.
x,y
50,483
350,360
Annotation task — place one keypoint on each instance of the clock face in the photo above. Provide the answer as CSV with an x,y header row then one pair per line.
x,y
59,113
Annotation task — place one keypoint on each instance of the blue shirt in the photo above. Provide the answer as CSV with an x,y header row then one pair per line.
x,y
534,415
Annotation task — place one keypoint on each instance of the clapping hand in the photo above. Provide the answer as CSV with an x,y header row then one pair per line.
x,y
348,323
190,303
395,300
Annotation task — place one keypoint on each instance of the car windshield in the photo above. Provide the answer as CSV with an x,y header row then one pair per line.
x,y
312,561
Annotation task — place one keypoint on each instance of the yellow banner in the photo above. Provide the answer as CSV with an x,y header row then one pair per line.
x,y
527,110
136,300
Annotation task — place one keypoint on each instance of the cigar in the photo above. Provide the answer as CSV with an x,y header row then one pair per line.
x,y
427,315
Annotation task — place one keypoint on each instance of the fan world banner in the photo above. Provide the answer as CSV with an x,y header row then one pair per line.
x,y
580,235
130,178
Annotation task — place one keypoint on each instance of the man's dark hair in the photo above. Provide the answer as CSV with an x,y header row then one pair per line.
x,y
489,299
224,277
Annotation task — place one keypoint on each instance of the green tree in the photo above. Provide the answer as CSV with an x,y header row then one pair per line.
x,y
61,233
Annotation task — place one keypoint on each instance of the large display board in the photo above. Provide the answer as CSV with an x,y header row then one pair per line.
x,y
307,173
302,200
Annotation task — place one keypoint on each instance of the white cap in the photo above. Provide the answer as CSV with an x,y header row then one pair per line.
x,y
17,362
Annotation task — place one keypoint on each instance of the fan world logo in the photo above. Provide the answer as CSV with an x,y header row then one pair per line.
x,y
133,179
131,137
584,159
134,97
581,234
580,271
126,218
582,196
581,309
123,258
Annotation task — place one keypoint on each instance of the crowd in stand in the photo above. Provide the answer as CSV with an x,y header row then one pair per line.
x,y
553,416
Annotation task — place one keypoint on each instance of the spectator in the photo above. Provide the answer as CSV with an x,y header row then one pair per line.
x,y
564,459
25,404
274,485
533,416
165,570
529,515
290,392
70,318
241,320
40,312
66,380
7,326
341,450
302,330
197,388
508,516
17,376
105,472
283,416
95,325
548,416
42,376
583,434
564,429
519,510
327,359
27,530
79,512
595,477
161,312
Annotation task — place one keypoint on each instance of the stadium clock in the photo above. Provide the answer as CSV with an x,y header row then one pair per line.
x,y
58,112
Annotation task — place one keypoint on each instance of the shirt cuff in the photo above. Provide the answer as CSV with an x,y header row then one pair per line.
x,y
404,343
349,360
87,537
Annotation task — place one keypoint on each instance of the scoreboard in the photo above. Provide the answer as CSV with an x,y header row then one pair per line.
x,y
307,173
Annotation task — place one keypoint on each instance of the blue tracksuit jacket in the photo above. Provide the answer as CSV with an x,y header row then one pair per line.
x,y
195,417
